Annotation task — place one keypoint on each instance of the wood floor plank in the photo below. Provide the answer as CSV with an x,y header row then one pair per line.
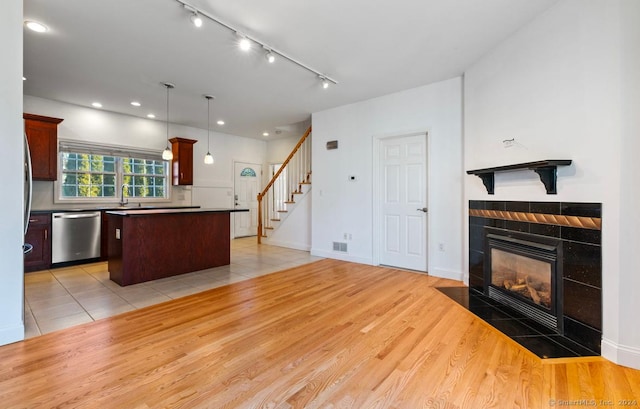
x,y
329,334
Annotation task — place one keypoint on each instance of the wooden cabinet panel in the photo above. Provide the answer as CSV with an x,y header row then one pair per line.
x,y
39,236
104,236
156,244
182,162
42,134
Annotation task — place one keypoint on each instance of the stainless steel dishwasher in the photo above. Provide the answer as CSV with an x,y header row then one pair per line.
x,y
75,236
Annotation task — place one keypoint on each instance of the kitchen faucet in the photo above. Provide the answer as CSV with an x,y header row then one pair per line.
x,y
123,201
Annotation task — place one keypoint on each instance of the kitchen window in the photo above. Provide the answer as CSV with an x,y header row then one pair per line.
x,y
89,173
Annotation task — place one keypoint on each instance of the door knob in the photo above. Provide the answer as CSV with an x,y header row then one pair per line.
x,y
424,209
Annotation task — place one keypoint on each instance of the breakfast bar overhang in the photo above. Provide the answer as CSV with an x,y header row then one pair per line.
x,y
146,245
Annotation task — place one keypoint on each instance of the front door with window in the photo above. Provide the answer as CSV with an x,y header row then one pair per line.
x,y
246,183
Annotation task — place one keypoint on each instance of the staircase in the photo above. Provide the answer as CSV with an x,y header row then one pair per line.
x,y
291,181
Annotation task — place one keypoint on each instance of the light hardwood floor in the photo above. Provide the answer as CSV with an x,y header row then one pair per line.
x,y
329,334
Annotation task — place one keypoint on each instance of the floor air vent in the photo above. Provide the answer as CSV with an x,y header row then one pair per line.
x,y
337,246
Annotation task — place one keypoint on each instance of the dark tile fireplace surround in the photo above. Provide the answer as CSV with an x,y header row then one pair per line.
x,y
563,318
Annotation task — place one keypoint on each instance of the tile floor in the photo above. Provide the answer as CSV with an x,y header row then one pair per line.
x,y
542,341
64,297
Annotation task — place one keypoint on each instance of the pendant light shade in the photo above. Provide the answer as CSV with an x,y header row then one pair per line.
x,y
167,154
208,159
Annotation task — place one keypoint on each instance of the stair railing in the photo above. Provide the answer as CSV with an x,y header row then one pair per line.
x,y
285,183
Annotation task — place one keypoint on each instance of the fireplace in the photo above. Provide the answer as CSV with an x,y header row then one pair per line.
x,y
553,248
523,271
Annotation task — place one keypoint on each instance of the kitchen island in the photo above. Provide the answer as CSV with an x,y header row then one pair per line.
x,y
145,245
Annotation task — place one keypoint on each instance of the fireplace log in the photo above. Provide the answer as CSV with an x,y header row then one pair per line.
x,y
518,287
508,284
534,294
534,283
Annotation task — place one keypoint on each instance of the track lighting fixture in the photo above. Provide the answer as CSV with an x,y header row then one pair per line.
x,y
325,82
167,154
195,16
269,56
246,42
208,159
196,19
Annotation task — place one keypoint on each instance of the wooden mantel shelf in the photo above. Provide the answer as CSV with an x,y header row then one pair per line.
x,y
546,169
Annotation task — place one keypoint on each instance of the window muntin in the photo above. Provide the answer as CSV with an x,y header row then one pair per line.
x,y
144,178
87,175
94,177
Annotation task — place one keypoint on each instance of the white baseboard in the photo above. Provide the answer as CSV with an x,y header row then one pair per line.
x,y
442,273
287,244
340,256
9,335
621,354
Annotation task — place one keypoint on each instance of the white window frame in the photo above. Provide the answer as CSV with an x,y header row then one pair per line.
x,y
119,152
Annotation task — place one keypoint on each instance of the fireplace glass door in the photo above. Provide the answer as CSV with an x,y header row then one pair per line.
x,y
522,277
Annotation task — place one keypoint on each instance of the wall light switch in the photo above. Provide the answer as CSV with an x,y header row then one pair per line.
x,y
117,234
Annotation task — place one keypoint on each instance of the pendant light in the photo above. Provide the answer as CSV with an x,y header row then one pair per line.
x,y
208,159
167,154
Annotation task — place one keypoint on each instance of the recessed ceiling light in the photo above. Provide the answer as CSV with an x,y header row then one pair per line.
x,y
36,26
135,103
220,122
96,105
265,133
150,116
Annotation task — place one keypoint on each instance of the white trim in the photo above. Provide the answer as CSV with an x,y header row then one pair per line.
x,y
341,256
286,244
450,274
621,354
377,141
119,175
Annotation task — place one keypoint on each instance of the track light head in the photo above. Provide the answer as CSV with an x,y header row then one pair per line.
x,y
269,55
325,82
243,42
196,19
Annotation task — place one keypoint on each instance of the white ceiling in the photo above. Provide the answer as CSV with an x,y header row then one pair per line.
x,y
117,51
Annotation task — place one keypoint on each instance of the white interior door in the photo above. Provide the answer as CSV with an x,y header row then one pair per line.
x,y
403,178
246,182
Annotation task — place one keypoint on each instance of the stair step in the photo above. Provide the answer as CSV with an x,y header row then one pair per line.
x,y
305,183
275,220
269,228
289,202
282,211
297,193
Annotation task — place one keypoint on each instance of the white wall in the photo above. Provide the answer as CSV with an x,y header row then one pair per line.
x,y
213,184
279,149
555,86
294,231
11,167
341,206
624,345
